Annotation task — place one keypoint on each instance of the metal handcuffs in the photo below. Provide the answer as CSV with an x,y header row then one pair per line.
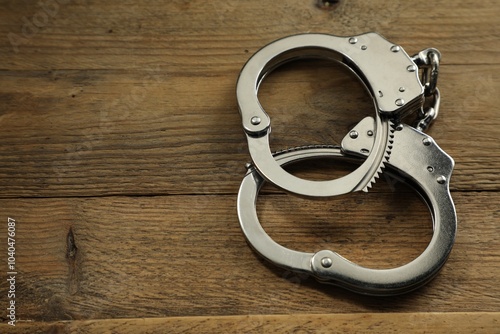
x,y
377,143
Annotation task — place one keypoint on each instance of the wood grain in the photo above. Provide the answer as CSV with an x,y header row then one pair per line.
x,y
99,133
122,152
194,36
139,257
436,323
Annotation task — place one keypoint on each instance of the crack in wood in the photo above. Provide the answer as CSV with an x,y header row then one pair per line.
x,y
71,256
71,246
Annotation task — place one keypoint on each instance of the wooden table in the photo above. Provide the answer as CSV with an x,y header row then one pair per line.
x,y
122,151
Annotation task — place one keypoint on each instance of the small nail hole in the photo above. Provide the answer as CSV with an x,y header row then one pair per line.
x,y
327,4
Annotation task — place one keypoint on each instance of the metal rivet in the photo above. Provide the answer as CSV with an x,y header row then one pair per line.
x,y
370,133
430,169
353,40
411,68
255,120
326,262
400,102
248,165
441,179
364,47
395,48
399,127
353,134
402,89
427,141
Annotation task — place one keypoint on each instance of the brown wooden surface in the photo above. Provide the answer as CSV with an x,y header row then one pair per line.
x,y
122,152
436,323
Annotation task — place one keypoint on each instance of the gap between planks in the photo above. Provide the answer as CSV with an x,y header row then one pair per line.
x,y
460,322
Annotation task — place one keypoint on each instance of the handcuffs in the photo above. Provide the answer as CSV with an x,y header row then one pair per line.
x,y
378,144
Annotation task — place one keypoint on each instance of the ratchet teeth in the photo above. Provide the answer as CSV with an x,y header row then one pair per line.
x,y
387,156
380,170
390,144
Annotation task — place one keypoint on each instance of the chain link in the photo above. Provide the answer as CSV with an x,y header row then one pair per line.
x,y
428,61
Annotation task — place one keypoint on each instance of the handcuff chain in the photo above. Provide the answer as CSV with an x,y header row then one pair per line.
x,y
428,61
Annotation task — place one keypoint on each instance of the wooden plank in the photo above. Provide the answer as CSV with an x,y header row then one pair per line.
x,y
436,323
111,107
91,133
135,257
196,35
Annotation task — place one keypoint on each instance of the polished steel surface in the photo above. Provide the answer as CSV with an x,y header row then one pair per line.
x,y
379,144
380,65
407,164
